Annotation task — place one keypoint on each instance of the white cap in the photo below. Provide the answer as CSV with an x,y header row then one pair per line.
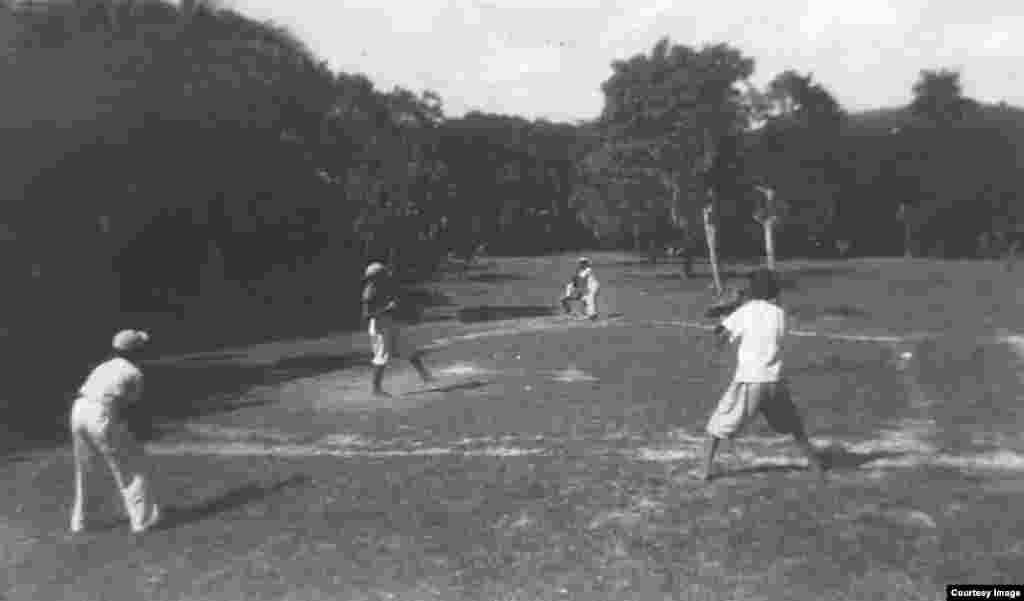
x,y
129,340
584,260
373,269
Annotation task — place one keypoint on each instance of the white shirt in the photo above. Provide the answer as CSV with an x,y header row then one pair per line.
x,y
760,327
114,381
584,281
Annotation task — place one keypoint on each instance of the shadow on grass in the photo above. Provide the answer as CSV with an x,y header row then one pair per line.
x,y
233,499
190,390
180,391
213,334
497,313
834,458
842,459
470,385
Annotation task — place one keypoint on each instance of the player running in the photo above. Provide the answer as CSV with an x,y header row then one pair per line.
x,y
379,304
582,287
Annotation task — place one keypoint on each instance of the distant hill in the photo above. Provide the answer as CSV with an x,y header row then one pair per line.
x,y
883,119
1007,119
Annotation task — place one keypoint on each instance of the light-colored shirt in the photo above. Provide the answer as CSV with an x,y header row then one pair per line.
x,y
760,327
584,281
376,296
114,381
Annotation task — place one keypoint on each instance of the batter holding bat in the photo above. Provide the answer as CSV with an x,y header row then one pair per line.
x,y
758,325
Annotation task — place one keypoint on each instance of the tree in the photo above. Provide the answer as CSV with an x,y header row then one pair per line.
x,y
797,148
938,97
666,113
797,100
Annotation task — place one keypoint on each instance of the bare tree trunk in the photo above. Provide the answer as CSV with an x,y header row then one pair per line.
x,y
711,234
711,209
907,253
769,242
907,234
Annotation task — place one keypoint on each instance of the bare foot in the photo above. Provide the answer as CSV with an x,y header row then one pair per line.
x,y
152,522
381,394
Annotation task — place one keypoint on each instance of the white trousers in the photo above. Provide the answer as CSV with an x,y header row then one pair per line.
x,y
587,297
95,432
386,340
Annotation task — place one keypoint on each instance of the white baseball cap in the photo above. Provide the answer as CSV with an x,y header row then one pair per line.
x,y
129,340
584,260
374,268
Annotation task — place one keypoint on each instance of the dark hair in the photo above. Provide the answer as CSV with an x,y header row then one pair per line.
x,y
763,284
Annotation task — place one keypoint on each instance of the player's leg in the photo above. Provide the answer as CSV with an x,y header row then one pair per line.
x,y
566,297
83,455
128,463
710,448
378,380
417,361
727,421
782,416
590,304
378,341
415,357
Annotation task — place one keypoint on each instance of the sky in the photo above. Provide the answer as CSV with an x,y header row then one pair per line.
x,y
547,59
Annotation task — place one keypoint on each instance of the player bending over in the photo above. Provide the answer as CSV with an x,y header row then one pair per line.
x,y
379,304
759,325
582,287
96,429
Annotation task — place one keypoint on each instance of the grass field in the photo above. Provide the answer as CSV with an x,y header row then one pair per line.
x,y
555,459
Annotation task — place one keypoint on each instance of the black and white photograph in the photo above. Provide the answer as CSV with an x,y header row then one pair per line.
x,y
511,300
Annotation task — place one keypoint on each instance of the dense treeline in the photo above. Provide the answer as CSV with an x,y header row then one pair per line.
x,y
208,156
191,161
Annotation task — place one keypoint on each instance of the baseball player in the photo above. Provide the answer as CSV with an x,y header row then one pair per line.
x,y
582,287
379,304
758,326
96,429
